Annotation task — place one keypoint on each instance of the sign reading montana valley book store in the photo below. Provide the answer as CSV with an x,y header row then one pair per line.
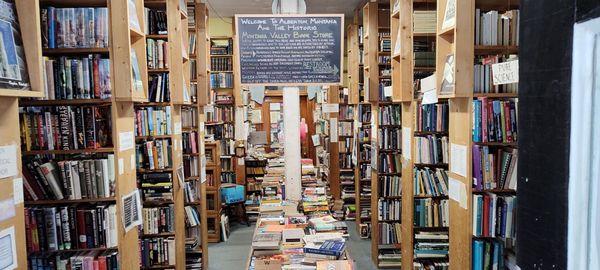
x,y
290,50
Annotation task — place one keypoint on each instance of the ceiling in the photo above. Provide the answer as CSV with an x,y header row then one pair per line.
x,y
228,8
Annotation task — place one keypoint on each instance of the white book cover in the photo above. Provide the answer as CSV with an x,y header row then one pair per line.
x,y
449,15
131,212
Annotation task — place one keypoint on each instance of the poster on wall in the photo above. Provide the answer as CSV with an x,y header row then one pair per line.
x,y
290,49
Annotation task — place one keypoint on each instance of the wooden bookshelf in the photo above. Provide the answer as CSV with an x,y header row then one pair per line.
x,y
459,40
212,192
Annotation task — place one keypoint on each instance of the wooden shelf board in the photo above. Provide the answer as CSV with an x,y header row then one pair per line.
x,y
500,49
154,171
68,152
157,36
496,95
69,51
63,102
158,70
63,202
447,33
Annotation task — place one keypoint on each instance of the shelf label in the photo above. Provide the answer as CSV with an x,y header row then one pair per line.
x,y
126,140
331,108
457,191
406,138
290,49
458,159
8,161
333,131
18,190
505,73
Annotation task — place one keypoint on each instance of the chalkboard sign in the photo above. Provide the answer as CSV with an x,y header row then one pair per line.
x,y
290,50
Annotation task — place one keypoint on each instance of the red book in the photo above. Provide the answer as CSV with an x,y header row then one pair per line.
x,y
96,76
506,107
81,229
486,216
484,130
102,262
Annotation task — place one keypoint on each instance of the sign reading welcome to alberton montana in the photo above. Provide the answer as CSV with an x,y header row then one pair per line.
x,y
290,49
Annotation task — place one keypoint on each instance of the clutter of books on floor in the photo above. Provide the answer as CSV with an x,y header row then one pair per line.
x,y
296,234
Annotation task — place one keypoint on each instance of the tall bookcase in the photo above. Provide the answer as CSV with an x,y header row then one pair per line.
x,y
422,127
346,143
11,183
197,25
468,47
385,124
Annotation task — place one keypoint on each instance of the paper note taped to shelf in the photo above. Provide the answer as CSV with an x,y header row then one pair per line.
x,y
387,91
406,138
8,161
126,140
7,209
202,169
505,73
331,108
121,166
333,132
458,159
177,128
275,106
8,249
18,190
209,108
132,210
457,191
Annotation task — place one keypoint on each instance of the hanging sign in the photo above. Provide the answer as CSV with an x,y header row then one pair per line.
x,y
290,50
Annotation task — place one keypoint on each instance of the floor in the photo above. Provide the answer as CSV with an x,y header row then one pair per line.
x,y
233,254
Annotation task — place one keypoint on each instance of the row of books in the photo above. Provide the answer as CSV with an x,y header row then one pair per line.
x,y
189,117
220,132
432,117
431,149
384,88
364,113
190,191
219,114
191,42
221,47
428,182
189,142
389,138
77,77
156,187
390,163
346,160
83,260
157,52
152,121
157,252
221,80
385,45
424,21
389,209
158,88
191,13
346,145
156,22
68,228
221,64
390,233
365,153
431,265
221,98
494,120
483,78
494,168
494,216
384,59
154,154
493,28
431,213
192,217
74,27
390,115
193,69
432,245
388,258
346,112
364,134
65,127
190,166
488,254
158,220
390,185
226,164
69,179
345,129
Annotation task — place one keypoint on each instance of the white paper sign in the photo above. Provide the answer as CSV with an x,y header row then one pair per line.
x,y
18,190
132,210
333,130
209,108
240,161
505,73
406,138
121,166
8,161
275,106
132,161
8,249
257,93
7,209
331,108
240,134
315,139
458,159
430,97
457,191
345,91
203,169
201,127
126,140
387,91
177,128
181,176
429,90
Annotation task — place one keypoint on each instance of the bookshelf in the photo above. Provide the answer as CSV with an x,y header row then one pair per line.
x,y
30,31
213,198
193,127
385,151
346,143
472,240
